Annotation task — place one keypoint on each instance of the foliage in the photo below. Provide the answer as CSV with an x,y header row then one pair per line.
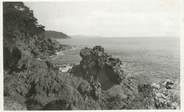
x,y
23,35
55,35
43,79
25,77
18,17
10,104
16,86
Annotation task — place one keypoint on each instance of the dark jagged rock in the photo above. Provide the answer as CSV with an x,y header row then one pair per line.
x,y
104,73
168,84
96,65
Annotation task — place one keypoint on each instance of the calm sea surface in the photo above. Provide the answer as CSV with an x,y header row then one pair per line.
x,y
157,58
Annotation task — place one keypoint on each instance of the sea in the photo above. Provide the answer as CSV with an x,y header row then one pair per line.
x,y
148,59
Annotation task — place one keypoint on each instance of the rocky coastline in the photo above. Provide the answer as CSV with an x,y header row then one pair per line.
x,y
32,81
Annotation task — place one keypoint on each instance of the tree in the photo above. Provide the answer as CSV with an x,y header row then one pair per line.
x,y
19,18
19,28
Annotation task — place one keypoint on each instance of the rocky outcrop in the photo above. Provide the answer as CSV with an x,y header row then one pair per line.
x,y
96,65
106,81
160,95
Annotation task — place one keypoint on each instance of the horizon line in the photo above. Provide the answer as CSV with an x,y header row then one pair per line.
x,y
92,36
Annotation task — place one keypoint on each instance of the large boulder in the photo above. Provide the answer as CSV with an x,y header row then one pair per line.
x,y
104,77
97,65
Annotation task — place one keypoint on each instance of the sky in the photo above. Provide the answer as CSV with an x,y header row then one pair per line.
x,y
110,18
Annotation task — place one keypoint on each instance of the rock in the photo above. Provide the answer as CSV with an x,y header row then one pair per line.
x,y
156,86
98,50
104,73
96,65
85,52
168,84
65,68
159,94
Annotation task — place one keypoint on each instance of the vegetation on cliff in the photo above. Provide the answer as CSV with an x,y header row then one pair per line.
x,y
23,35
55,35
28,75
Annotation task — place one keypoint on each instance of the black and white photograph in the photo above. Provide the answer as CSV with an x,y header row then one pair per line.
x,y
91,55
